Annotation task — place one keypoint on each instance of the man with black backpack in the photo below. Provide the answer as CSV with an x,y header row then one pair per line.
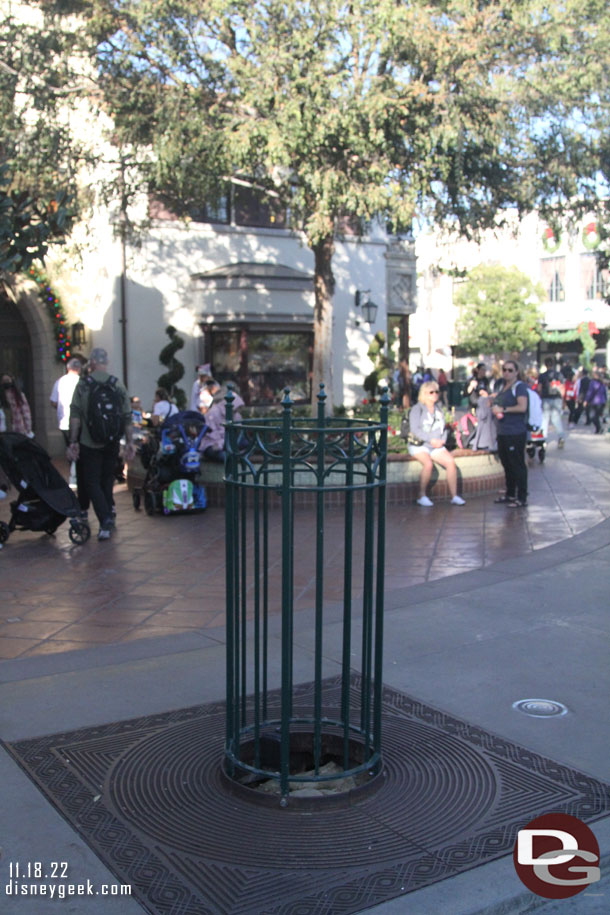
x,y
100,414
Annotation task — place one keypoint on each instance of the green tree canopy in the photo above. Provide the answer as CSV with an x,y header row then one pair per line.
x,y
447,111
40,78
499,311
370,108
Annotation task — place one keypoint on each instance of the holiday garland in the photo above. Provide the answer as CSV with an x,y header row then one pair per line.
x,y
584,332
56,313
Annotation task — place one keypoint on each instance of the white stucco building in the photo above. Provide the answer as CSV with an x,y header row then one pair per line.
x,y
565,267
236,286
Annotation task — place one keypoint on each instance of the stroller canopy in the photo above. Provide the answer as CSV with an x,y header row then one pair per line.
x,y
25,461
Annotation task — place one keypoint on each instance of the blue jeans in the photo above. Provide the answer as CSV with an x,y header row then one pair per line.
x,y
551,413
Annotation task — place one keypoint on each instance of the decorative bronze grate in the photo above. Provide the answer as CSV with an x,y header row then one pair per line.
x,y
452,797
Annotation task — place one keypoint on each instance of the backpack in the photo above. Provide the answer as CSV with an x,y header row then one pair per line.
x,y
465,430
183,495
550,385
533,414
104,410
178,496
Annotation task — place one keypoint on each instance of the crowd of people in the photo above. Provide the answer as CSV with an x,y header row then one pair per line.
x,y
98,460
501,399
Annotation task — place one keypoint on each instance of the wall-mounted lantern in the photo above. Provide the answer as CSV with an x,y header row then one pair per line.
x,y
369,308
79,337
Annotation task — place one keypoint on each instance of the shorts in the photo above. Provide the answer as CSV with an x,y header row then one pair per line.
x,y
417,449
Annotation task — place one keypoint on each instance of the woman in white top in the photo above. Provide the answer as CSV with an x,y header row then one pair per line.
x,y
427,423
162,407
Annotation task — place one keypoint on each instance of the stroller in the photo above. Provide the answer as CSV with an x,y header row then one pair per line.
x,y
45,500
171,458
536,442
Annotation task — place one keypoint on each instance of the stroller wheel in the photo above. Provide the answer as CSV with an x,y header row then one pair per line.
x,y
542,454
4,531
149,503
136,499
530,452
79,532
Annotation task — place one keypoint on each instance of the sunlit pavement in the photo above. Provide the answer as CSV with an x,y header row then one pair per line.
x,y
484,606
162,576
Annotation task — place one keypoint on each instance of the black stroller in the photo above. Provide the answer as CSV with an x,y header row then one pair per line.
x,y
45,500
171,458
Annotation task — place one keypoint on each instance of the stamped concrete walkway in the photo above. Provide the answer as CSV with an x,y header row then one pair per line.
x,y
163,576
528,617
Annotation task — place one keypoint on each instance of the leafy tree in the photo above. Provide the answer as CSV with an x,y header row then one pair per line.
x,y
448,111
499,311
372,108
38,153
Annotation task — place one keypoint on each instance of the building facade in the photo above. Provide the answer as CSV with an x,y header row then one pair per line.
x,y
564,264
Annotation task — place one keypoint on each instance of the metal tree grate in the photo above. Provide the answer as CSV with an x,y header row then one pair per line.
x,y
287,457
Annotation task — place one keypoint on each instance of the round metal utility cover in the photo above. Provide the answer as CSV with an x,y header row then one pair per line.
x,y
540,708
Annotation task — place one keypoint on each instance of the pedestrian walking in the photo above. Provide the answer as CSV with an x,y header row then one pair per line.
x,y
510,409
552,391
61,398
596,398
100,414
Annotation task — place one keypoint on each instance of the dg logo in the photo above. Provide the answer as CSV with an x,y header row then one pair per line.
x,y
556,856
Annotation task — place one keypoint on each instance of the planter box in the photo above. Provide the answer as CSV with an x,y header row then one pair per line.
x,y
479,473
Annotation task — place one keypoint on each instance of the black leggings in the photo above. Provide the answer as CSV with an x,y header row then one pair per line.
x,y
511,451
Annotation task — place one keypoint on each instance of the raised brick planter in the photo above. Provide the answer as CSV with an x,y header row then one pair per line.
x,y
479,473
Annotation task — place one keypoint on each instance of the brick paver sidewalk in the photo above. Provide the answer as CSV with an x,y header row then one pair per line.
x,y
165,575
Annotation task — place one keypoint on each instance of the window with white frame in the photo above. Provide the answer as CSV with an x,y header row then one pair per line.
x,y
553,275
594,282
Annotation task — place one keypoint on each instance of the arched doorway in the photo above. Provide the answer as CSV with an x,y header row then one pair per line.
x,y
27,350
15,346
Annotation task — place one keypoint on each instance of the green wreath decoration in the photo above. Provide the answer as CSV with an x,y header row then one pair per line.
x,y
550,240
590,236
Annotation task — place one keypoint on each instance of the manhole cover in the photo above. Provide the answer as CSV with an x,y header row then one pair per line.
x,y
540,708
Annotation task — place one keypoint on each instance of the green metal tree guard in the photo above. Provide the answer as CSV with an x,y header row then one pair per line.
x,y
274,465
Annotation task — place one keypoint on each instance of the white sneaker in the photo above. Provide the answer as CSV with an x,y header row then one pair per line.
x,y
457,500
425,501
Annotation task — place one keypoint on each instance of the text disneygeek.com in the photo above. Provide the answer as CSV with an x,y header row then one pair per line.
x,y
27,879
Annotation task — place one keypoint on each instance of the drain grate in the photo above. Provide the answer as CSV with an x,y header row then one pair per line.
x,y
541,708
149,797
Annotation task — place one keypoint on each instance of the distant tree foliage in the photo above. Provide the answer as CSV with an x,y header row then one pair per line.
x,y
499,311
39,80
351,111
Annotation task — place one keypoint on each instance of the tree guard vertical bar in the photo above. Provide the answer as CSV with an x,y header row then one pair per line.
x,y
275,465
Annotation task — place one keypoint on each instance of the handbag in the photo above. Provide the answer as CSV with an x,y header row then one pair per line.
x,y
405,431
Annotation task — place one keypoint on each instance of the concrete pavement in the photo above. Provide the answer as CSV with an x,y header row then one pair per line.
x,y
495,607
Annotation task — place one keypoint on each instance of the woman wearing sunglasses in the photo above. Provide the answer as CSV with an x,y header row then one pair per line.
x,y
510,410
427,426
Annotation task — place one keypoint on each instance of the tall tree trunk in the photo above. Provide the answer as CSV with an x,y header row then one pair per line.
x,y
324,287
